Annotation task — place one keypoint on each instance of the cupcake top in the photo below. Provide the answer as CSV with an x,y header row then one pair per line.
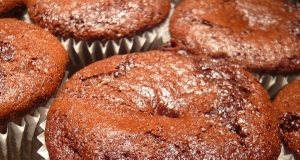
x,y
287,105
32,65
157,105
98,19
287,99
8,5
262,36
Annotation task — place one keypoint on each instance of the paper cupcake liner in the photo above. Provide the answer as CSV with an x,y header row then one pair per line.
x,y
20,141
274,83
176,2
83,53
17,142
166,36
286,154
25,17
43,150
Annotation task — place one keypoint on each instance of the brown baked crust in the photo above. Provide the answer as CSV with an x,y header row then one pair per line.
x,y
8,5
287,104
157,105
32,65
98,19
262,36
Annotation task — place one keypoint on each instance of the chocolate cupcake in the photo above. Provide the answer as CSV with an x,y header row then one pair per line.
x,y
32,66
94,30
261,36
162,105
287,105
10,7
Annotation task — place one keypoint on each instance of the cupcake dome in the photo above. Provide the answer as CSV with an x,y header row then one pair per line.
x,y
157,105
32,65
262,36
98,20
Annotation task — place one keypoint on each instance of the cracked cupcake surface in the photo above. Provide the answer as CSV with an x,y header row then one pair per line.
x,y
158,104
101,20
262,36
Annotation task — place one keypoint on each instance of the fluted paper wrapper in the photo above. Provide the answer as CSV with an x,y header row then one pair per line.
x,y
25,17
20,141
43,150
286,154
83,53
176,2
274,83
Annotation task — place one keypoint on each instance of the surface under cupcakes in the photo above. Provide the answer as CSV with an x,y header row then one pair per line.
x,y
162,105
287,105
